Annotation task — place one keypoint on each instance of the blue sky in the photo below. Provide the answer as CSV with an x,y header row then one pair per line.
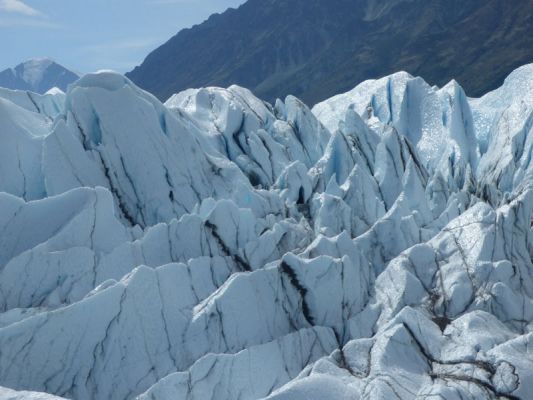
x,y
87,35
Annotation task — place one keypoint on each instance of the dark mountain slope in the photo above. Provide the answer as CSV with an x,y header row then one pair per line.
x,y
318,48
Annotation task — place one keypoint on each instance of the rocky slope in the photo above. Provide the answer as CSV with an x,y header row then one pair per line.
x,y
219,247
315,49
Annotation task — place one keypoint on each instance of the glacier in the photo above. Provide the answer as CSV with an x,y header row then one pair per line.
x,y
376,246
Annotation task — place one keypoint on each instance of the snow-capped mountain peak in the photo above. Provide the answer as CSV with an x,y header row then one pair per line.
x,y
38,75
32,71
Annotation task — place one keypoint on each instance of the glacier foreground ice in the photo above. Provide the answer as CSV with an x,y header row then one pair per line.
x,y
218,247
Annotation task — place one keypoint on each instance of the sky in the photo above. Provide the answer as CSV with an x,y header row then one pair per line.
x,y
88,35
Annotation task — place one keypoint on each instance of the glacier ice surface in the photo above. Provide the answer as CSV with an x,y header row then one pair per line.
x,y
378,246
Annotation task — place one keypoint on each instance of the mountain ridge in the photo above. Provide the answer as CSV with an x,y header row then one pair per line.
x,y
38,75
315,49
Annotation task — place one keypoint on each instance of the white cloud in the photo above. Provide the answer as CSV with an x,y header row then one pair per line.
x,y
18,7
24,22
123,45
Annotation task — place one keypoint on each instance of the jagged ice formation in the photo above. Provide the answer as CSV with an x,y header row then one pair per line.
x,y
218,247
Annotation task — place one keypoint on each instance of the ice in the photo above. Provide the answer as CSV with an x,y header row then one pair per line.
x,y
218,247
8,394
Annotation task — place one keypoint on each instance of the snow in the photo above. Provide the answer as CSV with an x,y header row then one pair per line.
x,y
40,75
262,141
33,70
215,247
251,373
22,134
55,91
438,122
8,394
51,104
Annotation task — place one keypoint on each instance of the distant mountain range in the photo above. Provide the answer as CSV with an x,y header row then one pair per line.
x,y
316,48
38,75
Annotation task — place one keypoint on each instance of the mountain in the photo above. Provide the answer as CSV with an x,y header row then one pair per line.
x,y
377,246
37,75
315,49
